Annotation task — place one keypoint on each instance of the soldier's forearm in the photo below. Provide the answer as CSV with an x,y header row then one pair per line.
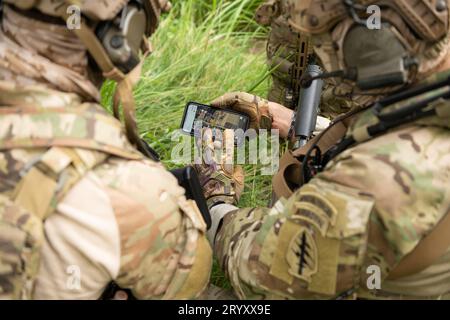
x,y
238,236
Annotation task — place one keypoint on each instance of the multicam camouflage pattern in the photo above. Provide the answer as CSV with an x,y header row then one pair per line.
x,y
43,54
54,140
415,159
216,293
95,10
302,248
87,126
283,50
427,38
164,251
21,236
371,207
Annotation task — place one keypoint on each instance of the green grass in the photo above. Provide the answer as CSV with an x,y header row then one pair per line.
x,y
201,50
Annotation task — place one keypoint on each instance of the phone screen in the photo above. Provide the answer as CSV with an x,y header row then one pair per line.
x,y
198,116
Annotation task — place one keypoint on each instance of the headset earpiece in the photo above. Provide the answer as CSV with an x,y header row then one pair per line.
x,y
122,38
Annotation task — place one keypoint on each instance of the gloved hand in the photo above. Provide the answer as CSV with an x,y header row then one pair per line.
x,y
255,107
222,182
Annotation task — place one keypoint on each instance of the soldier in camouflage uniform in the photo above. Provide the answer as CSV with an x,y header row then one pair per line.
x,y
288,52
379,208
79,205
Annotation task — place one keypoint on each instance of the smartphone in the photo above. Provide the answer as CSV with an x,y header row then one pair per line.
x,y
198,116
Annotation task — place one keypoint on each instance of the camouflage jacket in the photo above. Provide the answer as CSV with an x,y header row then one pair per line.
x,y
352,224
79,207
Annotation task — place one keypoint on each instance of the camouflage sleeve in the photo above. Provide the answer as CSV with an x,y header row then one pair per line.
x,y
20,243
302,248
163,248
406,172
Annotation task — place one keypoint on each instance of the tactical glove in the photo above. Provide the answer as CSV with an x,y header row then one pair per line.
x,y
255,107
222,182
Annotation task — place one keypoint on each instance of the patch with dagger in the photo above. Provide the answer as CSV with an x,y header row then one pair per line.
x,y
302,255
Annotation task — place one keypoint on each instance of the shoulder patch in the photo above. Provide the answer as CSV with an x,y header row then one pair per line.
x,y
316,210
301,255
